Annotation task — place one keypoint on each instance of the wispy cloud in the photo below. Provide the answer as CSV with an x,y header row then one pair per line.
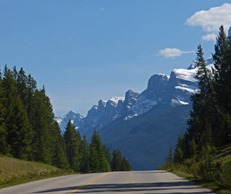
x,y
209,37
173,52
210,20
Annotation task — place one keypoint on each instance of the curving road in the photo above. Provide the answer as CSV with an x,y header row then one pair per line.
x,y
134,182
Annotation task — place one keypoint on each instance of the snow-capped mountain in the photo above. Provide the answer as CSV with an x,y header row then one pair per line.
x,y
102,114
75,118
177,88
150,97
144,125
182,84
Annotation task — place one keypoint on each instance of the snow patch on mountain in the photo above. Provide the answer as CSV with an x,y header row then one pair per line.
x,y
185,74
142,105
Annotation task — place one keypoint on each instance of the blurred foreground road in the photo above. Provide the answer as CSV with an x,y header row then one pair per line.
x,y
133,182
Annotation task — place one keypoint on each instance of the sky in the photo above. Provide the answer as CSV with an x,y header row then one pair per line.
x,y
86,50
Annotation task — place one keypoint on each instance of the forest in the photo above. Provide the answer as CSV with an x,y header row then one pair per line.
x,y
204,149
28,130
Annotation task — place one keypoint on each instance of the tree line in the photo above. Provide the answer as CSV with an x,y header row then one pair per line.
x,y
93,157
28,130
209,125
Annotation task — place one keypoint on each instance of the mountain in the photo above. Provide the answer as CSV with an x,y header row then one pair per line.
x,y
76,119
100,115
145,138
143,126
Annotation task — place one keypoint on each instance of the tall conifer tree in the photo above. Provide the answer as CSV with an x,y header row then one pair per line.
x,y
3,131
98,160
17,124
73,144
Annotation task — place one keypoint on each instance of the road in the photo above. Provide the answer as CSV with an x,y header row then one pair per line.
x,y
134,182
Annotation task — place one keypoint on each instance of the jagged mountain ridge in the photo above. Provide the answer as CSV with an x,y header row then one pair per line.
x,y
178,87
144,125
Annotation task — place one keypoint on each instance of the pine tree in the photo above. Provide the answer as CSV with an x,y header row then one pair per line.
x,y
31,86
42,122
222,71
3,131
59,158
73,144
97,159
17,124
117,161
84,162
222,63
20,134
204,107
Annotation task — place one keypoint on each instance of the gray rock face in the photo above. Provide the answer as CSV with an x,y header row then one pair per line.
x,y
157,85
100,115
130,99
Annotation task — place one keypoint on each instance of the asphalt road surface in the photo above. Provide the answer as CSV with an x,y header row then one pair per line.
x,y
133,182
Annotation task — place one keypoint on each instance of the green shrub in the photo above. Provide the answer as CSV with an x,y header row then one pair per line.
x,y
226,175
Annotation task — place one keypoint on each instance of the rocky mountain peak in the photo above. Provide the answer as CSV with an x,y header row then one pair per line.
x,y
156,86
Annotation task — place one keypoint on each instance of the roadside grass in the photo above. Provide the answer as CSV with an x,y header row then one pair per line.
x,y
191,171
214,186
14,171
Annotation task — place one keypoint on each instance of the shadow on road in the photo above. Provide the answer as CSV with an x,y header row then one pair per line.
x,y
162,187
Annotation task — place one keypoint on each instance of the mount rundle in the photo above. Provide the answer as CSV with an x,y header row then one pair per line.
x,y
143,126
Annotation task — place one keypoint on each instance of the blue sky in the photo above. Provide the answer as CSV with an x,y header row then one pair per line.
x,y
86,50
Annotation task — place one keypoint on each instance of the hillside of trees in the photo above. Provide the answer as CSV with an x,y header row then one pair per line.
x,y
28,130
201,149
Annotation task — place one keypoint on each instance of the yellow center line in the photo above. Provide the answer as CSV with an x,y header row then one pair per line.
x,y
89,183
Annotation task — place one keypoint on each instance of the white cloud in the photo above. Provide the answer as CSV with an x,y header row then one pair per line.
x,y
210,20
209,37
172,52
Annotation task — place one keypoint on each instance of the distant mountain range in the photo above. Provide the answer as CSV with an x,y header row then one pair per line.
x,y
143,126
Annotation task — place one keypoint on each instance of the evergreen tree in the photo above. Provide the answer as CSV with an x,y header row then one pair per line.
x,y
107,154
117,161
222,71
43,123
21,81
59,158
17,124
97,159
84,162
73,144
31,86
222,63
3,131
20,134
204,107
